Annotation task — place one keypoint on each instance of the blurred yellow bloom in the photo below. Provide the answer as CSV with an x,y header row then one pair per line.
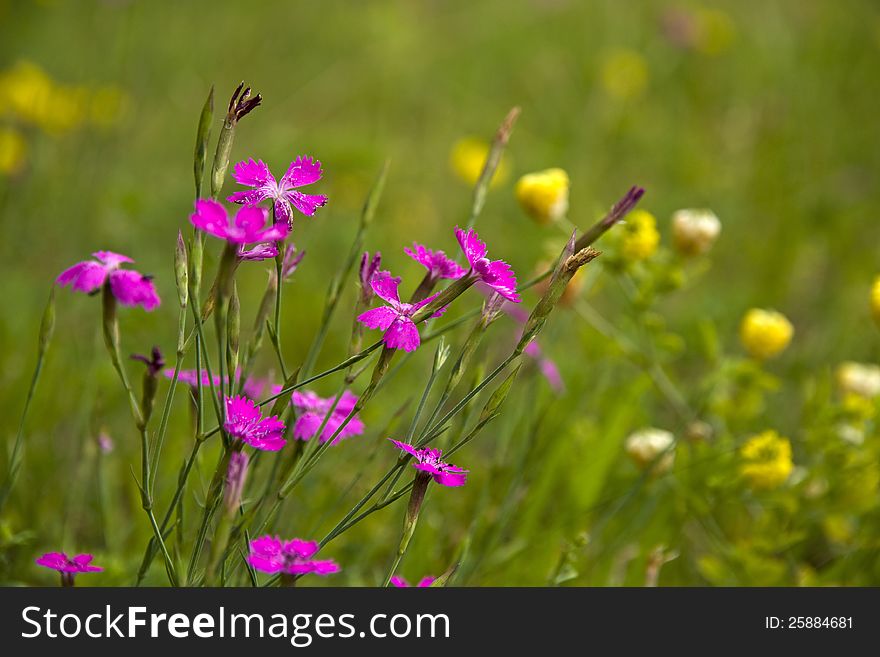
x,y
875,299
544,194
859,379
468,157
623,73
646,446
640,237
13,151
766,460
765,333
858,406
694,231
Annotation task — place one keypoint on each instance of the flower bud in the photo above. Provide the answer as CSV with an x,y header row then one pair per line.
x,y
236,474
694,231
203,136
651,448
240,105
544,195
765,333
233,331
181,275
47,323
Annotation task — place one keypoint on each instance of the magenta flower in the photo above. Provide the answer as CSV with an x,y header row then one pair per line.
x,y
436,262
130,288
253,387
395,318
547,367
270,554
401,583
313,409
291,261
247,228
304,170
245,422
427,459
497,274
67,566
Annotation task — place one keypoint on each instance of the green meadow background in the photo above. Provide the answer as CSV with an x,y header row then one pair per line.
x,y
769,118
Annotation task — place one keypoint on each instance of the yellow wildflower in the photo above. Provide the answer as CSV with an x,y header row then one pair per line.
x,y
13,151
623,73
468,157
766,460
639,236
544,194
765,333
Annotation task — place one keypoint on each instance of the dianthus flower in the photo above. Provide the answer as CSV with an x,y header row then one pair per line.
x,y
130,288
436,262
304,170
313,409
269,554
247,228
497,274
69,567
395,318
427,459
245,422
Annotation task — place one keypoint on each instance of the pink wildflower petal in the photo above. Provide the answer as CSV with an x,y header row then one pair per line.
x,y
244,421
402,334
307,425
251,219
258,252
300,548
399,582
327,567
283,213
110,258
210,217
473,248
347,402
451,476
436,262
133,289
85,276
378,318
385,286
248,197
264,564
54,560
304,170
83,560
306,203
252,174
500,277
406,447
426,582
425,302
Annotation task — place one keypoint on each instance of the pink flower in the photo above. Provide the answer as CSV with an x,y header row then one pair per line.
x,y
548,367
248,227
270,554
64,564
291,261
313,409
395,318
401,583
497,274
304,170
427,459
436,262
130,288
369,268
245,422
253,387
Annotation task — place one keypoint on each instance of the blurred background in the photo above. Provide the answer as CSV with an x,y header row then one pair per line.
x,y
764,112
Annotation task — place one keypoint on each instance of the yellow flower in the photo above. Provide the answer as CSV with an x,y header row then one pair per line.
x,y
543,194
766,460
694,231
13,151
765,333
623,73
651,446
639,236
875,299
468,157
